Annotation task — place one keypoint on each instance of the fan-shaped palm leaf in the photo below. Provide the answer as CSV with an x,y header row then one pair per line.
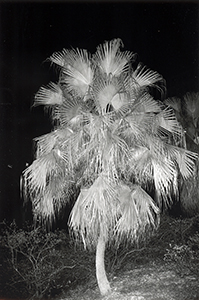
x,y
167,122
138,125
59,58
93,151
50,95
136,211
140,164
36,176
134,129
145,77
115,155
140,116
104,92
49,204
174,102
77,71
165,178
146,104
110,60
43,208
70,109
185,160
120,102
45,144
54,140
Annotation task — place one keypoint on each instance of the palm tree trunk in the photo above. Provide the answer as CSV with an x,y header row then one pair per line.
x,y
102,280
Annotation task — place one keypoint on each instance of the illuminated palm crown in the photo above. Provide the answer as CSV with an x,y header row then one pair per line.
x,y
111,139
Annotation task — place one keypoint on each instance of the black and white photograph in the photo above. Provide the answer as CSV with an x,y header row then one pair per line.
x,y
99,150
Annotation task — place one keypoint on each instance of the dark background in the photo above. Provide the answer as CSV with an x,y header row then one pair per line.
x,y
164,34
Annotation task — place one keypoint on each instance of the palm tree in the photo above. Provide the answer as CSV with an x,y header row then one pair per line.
x,y
112,140
187,113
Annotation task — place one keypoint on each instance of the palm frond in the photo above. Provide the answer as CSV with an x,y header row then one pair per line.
x,y
94,212
137,212
92,146
36,176
50,95
131,88
174,102
45,144
54,140
131,131
98,145
70,109
47,183
146,77
166,120
120,102
59,58
154,164
146,104
185,159
165,178
141,115
77,72
139,125
110,60
116,155
43,208
104,92
48,205
140,164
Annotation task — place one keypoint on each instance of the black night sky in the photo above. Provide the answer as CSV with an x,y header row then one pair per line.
x,y
163,34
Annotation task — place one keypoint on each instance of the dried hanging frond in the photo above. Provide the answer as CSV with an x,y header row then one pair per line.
x,y
36,176
94,212
136,213
165,176
139,124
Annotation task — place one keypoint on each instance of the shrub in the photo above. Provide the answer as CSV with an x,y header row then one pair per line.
x,y
185,256
36,259
179,254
